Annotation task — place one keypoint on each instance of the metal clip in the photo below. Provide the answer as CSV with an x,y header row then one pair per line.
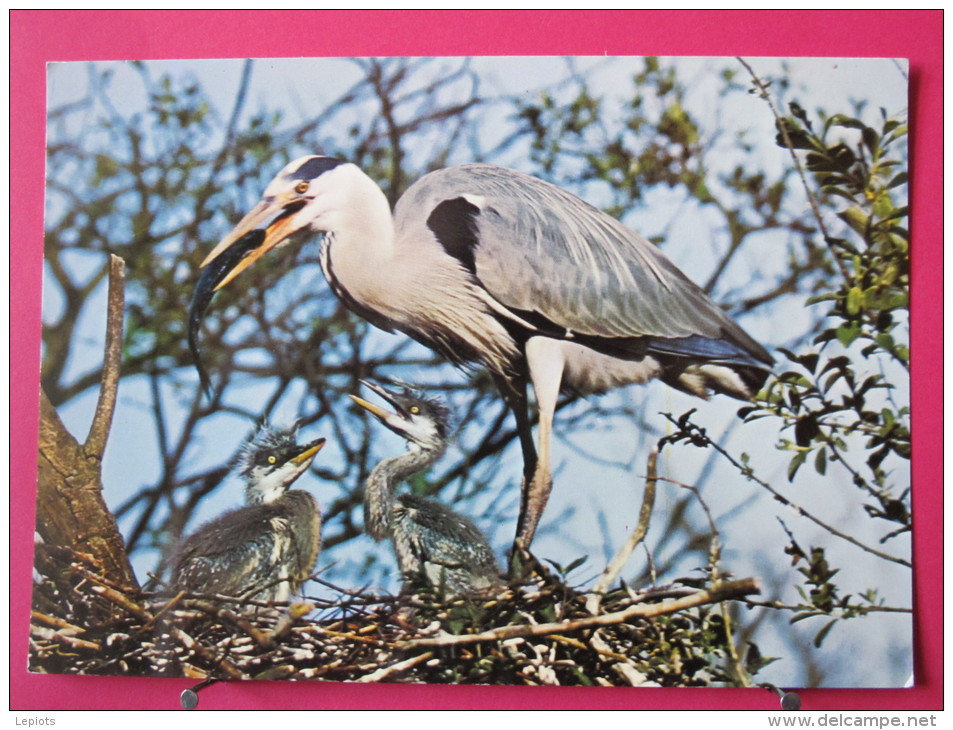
x,y
189,699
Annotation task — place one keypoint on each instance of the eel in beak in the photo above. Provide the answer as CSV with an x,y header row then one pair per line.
x,y
216,271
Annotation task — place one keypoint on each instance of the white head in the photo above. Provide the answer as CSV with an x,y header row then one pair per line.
x,y
272,461
317,193
423,422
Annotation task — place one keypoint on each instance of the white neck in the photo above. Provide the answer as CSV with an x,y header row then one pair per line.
x,y
358,211
358,252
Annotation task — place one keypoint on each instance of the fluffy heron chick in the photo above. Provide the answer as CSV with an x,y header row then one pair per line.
x,y
430,540
265,550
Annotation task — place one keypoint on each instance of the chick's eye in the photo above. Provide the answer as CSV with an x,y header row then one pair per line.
x,y
272,459
302,187
415,410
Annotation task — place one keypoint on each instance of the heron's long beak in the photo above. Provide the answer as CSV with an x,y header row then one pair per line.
x,y
281,214
305,457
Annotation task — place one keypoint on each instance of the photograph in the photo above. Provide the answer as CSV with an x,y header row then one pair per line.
x,y
539,371
492,323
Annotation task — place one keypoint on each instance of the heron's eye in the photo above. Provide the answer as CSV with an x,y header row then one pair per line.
x,y
302,187
415,410
272,459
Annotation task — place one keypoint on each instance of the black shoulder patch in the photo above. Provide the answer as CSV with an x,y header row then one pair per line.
x,y
454,224
315,166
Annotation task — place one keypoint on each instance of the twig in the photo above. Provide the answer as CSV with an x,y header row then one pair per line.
x,y
120,600
41,632
714,560
787,607
288,618
349,636
56,622
615,565
102,420
732,589
782,128
196,647
385,672
749,474
162,611
259,637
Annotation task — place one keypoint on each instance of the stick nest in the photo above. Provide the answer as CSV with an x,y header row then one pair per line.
x,y
537,633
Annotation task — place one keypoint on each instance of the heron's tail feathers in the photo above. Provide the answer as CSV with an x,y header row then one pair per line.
x,y
738,381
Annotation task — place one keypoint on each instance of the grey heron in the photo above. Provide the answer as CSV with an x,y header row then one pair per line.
x,y
266,549
430,540
495,267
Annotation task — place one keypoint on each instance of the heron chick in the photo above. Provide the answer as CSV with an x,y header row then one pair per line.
x,y
495,267
430,540
266,549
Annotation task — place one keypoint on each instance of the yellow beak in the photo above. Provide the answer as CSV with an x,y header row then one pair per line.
x,y
309,453
376,410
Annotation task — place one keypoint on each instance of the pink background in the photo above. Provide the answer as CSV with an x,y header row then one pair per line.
x,y
37,37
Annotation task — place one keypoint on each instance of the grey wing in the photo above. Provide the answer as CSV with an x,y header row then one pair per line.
x,y
215,560
440,536
557,263
231,555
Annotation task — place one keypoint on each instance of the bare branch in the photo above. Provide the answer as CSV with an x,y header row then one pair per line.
x,y
615,565
726,591
787,502
385,672
95,444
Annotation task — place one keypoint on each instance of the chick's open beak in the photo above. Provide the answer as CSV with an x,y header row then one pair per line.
x,y
383,414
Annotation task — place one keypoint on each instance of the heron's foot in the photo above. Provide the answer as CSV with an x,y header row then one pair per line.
x,y
523,565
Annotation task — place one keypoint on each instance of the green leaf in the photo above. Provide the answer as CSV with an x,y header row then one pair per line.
x,y
898,179
855,300
841,120
804,614
898,213
805,430
871,139
800,140
885,340
796,464
846,334
575,564
896,132
798,111
833,190
822,634
106,167
809,361
820,461
855,218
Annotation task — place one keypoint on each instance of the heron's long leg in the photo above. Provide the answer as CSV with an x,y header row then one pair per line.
x,y
546,362
514,393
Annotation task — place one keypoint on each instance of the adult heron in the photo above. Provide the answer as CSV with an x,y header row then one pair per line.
x,y
491,266
266,549
430,540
